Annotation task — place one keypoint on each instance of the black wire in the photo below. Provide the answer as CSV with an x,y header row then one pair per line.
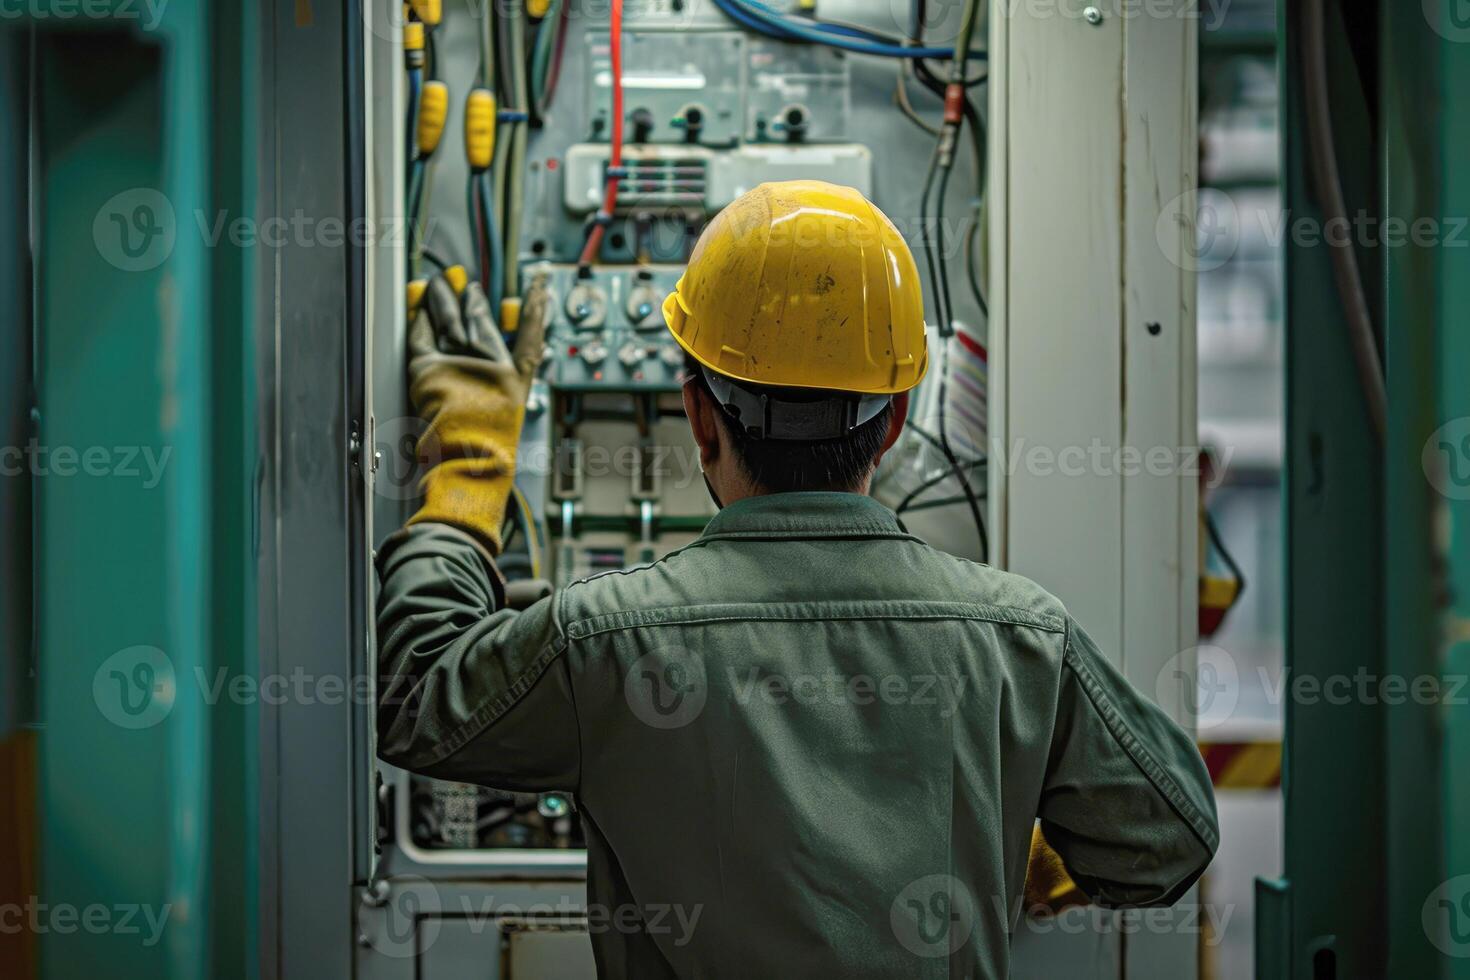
x,y
916,20
929,260
940,282
938,502
868,32
908,502
1213,531
435,256
946,325
954,462
973,276
980,79
933,440
933,83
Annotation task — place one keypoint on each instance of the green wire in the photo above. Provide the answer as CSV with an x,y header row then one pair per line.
x,y
474,213
545,44
962,41
519,134
487,50
415,188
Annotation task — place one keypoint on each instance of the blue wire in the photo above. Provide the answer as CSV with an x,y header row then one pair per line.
x,y
415,201
764,20
497,249
415,89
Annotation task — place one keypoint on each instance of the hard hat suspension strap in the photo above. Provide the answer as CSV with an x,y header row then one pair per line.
x,y
762,415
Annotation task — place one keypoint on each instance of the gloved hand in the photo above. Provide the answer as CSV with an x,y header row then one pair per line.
x,y
471,390
1049,888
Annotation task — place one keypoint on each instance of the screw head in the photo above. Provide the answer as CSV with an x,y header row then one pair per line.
x,y
1093,15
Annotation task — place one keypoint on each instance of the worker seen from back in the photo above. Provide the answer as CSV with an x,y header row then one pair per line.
x,y
758,800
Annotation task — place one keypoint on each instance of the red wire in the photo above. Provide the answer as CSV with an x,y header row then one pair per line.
x,y
561,42
610,193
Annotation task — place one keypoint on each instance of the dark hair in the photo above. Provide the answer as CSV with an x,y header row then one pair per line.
x,y
781,466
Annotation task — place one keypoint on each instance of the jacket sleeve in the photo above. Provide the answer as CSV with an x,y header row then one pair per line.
x,y
1127,801
468,691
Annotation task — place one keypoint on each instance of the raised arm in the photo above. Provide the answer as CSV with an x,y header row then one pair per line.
x,y
469,690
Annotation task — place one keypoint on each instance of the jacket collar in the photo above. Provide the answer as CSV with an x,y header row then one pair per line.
x,y
805,515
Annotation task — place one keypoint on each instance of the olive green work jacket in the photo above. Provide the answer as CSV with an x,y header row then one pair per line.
x,y
805,745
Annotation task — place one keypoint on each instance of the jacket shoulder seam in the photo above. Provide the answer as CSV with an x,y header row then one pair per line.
x,y
844,610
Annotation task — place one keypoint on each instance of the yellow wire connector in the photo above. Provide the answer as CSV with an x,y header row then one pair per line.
x,y
428,11
458,278
510,314
433,111
416,290
413,44
537,8
479,128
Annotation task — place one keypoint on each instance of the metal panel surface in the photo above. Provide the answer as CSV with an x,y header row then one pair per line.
x,y
310,403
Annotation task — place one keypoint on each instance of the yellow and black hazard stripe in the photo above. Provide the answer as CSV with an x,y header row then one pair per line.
x,y
1243,765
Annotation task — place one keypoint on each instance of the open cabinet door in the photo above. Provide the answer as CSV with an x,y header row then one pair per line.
x,y
318,811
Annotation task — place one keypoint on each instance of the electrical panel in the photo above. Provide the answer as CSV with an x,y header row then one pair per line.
x,y
608,332
685,91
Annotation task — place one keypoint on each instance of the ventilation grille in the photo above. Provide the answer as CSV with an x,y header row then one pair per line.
x,y
672,183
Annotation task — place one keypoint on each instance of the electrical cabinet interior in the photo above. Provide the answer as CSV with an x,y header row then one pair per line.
x,y
608,476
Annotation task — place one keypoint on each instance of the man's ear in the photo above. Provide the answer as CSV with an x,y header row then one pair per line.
x,y
895,424
702,422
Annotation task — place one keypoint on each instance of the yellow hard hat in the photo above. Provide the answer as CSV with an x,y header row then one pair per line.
x,y
803,284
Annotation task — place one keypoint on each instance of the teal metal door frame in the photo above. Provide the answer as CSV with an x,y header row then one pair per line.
x,y
140,483
1377,790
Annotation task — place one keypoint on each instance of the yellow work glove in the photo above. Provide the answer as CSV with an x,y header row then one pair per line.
x,y
1048,886
471,390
